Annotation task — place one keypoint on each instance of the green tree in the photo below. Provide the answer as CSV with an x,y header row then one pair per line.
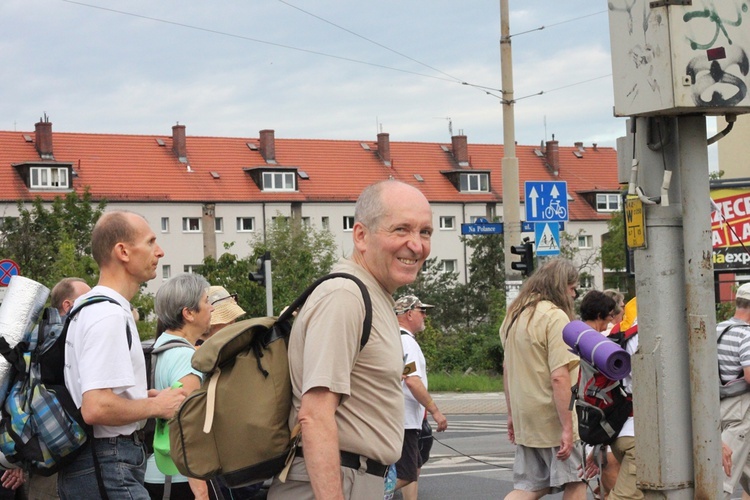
x,y
614,255
485,291
52,240
441,289
299,255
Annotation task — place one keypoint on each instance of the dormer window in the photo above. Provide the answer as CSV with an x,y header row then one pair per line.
x,y
469,180
475,183
49,178
278,181
608,202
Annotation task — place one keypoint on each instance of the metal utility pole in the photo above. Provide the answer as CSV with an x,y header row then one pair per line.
x,y
675,378
511,202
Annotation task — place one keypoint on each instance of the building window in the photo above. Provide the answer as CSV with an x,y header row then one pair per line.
x,y
585,281
191,225
49,177
166,271
607,202
306,222
245,224
219,224
449,266
585,241
278,181
475,183
325,222
348,222
165,224
191,268
447,222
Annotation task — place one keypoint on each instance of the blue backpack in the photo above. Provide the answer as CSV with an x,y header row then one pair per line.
x,y
42,430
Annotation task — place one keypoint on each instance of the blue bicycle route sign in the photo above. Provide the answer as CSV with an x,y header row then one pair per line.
x,y
546,201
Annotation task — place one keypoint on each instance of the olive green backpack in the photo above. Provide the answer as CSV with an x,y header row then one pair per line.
x,y
237,424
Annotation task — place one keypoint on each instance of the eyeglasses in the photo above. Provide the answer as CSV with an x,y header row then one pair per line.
x,y
423,311
232,296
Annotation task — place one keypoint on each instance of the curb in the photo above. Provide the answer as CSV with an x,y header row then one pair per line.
x,y
456,403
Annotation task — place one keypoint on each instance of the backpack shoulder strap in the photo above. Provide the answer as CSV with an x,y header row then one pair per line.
x,y
621,338
95,299
718,340
169,344
367,326
729,327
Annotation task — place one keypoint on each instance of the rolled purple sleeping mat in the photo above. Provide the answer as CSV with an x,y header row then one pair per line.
x,y
606,356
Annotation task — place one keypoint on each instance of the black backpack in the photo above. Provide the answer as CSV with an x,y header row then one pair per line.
x,y
152,355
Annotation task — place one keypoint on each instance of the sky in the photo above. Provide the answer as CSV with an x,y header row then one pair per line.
x,y
323,69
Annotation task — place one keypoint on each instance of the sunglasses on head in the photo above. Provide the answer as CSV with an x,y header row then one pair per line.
x,y
232,296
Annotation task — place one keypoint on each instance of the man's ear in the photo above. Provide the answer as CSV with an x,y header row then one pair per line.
x,y
121,252
67,305
360,233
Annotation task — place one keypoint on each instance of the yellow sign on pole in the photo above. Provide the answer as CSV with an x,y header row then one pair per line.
x,y
635,223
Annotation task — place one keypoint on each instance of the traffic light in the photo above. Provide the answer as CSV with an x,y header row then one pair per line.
x,y
526,251
260,276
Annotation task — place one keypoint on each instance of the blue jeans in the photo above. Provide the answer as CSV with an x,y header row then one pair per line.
x,y
123,464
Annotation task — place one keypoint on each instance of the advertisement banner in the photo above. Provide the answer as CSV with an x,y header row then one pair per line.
x,y
730,228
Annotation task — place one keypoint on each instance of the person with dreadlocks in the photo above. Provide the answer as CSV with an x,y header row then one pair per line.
x,y
537,374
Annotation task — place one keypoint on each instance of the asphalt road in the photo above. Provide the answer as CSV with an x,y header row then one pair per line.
x,y
472,460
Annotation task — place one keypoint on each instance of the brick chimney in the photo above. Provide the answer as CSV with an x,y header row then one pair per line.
x,y
553,156
43,138
460,150
595,147
179,144
268,146
384,148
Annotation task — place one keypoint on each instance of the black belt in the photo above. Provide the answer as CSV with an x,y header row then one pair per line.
x,y
352,461
138,436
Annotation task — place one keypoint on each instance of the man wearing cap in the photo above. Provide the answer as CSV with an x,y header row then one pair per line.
x,y
347,399
226,310
734,363
411,313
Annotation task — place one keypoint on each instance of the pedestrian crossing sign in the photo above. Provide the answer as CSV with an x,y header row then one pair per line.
x,y
547,236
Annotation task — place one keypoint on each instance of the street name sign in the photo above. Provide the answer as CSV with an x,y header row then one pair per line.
x,y
528,227
481,226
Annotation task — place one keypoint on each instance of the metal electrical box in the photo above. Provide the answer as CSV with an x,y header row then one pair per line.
x,y
680,56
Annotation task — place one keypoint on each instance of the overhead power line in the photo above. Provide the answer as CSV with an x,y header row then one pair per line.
x,y
446,78
257,40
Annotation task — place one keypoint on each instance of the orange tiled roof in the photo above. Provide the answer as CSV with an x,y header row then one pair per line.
x,y
136,168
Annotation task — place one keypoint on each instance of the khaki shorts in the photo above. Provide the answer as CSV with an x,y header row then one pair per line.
x,y
536,469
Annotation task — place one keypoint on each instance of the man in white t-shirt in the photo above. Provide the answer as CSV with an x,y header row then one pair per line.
x,y
411,313
105,369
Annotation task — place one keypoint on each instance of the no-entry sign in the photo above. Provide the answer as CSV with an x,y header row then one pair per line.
x,y
8,269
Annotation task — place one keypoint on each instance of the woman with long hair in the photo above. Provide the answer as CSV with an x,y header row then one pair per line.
x,y
537,374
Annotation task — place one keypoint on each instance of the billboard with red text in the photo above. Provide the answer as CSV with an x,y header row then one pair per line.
x,y
730,228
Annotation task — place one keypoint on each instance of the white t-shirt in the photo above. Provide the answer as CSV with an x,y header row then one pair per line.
x,y
97,356
413,411
629,428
